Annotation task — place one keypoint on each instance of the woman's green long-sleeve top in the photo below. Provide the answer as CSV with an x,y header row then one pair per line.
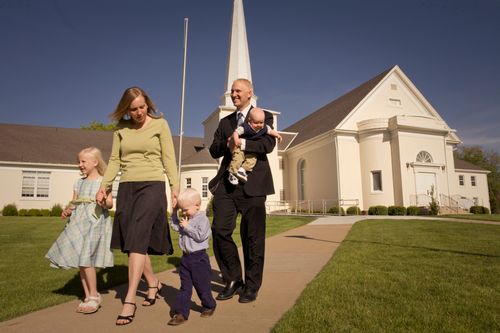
x,y
145,154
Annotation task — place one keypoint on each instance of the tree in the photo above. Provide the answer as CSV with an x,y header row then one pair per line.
x,y
490,161
96,126
433,205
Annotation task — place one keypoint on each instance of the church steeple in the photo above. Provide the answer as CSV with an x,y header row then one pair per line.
x,y
238,64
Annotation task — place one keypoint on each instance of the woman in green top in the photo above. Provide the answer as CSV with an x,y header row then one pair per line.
x,y
143,153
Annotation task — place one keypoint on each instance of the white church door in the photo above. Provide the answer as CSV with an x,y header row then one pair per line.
x,y
425,181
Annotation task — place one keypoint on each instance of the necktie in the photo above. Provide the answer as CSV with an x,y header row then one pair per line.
x,y
240,118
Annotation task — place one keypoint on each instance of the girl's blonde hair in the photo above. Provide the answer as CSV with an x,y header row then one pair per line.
x,y
96,153
128,97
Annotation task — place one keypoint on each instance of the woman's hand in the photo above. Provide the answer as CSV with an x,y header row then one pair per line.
x,y
173,195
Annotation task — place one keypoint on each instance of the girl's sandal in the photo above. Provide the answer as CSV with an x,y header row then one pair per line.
x,y
128,319
151,301
79,308
92,305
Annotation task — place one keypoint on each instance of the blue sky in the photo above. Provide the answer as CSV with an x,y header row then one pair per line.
x,y
65,63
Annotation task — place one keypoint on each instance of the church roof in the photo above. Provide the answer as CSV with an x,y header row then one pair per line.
x,y
464,165
57,145
330,115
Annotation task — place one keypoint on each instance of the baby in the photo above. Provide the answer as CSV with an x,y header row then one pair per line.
x,y
241,162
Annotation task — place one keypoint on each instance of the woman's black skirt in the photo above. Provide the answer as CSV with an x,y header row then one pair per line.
x,y
140,224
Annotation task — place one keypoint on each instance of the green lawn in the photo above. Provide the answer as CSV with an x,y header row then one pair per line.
x,y
405,276
481,217
27,283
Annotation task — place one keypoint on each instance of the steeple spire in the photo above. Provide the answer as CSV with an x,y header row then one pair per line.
x,y
238,64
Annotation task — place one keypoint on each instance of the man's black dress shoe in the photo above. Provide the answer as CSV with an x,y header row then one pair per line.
x,y
229,291
248,296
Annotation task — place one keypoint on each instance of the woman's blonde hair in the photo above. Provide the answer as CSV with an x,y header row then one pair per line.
x,y
128,97
96,153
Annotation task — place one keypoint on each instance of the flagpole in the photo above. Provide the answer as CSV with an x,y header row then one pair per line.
x,y
181,129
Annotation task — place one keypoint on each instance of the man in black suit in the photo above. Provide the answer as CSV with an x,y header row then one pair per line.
x,y
246,198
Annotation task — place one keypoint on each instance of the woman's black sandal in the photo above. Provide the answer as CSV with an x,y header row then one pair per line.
x,y
128,319
152,301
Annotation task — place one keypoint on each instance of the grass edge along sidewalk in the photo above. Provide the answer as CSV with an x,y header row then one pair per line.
x,y
405,275
27,283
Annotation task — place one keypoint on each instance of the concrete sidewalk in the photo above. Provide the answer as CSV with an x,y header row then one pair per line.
x,y
293,259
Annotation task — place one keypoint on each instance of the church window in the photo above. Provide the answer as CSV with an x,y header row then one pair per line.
x,y
302,171
424,157
395,101
204,187
35,184
461,180
377,181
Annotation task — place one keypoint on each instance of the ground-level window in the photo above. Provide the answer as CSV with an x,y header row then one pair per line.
x,y
35,184
188,182
461,180
282,195
204,187
473,180
377,181
476,201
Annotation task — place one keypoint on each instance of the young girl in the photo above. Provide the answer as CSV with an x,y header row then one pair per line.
x,y
85,241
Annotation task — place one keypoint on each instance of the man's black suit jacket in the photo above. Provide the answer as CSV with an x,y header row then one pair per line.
x,y
260,180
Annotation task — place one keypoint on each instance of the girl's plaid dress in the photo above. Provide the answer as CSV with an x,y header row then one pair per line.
x,y
85,241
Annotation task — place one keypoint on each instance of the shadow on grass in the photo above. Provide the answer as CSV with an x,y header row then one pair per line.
x,y
311,238
425,248
174,261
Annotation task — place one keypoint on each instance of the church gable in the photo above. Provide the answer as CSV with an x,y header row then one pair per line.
x,y
329,116
395,96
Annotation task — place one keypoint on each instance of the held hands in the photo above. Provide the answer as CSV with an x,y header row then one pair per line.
x,y
173,195
101,197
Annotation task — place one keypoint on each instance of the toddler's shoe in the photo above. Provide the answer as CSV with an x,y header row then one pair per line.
x,y
232,179
242,175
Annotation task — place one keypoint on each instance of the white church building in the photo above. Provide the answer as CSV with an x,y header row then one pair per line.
x,y
382,143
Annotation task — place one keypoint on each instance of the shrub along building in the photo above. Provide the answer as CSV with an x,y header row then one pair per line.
x,y
382,143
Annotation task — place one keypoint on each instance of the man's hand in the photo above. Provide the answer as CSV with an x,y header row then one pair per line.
x,y
230,144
